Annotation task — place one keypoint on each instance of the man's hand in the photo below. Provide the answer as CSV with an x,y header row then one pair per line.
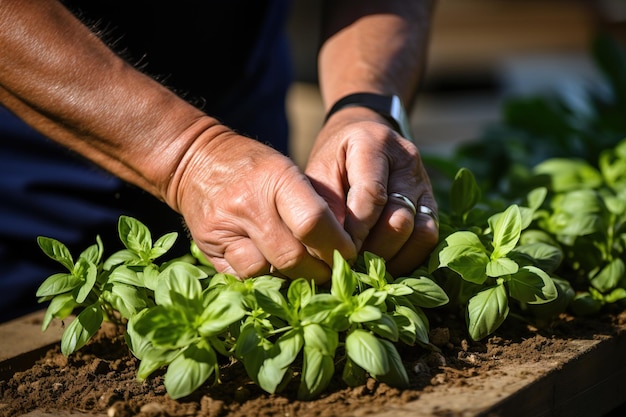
x,y
356,163
250,209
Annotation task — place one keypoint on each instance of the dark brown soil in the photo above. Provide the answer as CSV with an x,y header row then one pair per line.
x,y
100,378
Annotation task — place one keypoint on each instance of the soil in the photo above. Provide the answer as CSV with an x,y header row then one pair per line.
x,y
100,378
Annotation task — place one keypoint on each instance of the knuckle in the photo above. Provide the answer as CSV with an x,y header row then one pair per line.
x,y
308,223
375,192
401,224
290,259
427,233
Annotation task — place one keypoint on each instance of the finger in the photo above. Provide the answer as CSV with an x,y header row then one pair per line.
x,y
287,255
367,195
245,259
418,247
312,222
297,234
392,230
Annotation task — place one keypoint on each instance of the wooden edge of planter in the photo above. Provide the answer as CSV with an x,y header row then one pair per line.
x,y
24,336
588,379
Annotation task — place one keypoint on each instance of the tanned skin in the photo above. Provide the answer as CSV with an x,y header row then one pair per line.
x,y
247,207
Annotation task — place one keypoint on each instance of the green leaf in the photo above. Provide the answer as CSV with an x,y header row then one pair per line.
x,y
365,313
151,358
546,257
565,294
224,310
464,254
180,269
154,359
278,360
163,244
376,268
138,344
384,327
464,192
200,257
57,251
613,167
618,294
426,292
343,279
536,197
320,308
128,300
318,365
412,324
501,266
58,284
94,252
371,296
584,304
568,174
167,327
149,277
190,370
353,375
123,256
250,350
89,273
273,304
486,311
532,285
367,351
609,276
299,293
134,235
317,372
506,228
397,376
129,276
60,307
178,279
367,280
81,329
396,290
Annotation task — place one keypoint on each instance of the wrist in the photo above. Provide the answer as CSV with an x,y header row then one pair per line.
x,y
191,145
388,106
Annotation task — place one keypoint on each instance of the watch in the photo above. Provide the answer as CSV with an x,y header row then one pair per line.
x,y
390,107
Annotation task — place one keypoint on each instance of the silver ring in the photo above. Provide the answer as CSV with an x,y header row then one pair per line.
x,y
407,202
429,212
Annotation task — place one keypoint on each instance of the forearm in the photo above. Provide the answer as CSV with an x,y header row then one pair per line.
x,y
61,79
377,46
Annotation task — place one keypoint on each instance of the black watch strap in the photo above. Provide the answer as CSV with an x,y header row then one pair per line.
x,y
390,107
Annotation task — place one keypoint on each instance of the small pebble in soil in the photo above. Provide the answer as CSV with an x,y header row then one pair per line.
x,y
120,409
153,410
421,368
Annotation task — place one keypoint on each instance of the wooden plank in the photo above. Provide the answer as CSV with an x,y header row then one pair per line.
x,y
588,379
22,342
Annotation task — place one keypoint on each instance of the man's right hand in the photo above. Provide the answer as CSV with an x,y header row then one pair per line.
x,y
249,209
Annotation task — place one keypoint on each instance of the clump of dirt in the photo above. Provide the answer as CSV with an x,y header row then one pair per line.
x,y
101,378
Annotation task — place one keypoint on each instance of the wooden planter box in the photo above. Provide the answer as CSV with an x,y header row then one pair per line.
x,y
586,379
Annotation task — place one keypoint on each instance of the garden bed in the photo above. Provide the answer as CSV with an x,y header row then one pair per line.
x,y
576,367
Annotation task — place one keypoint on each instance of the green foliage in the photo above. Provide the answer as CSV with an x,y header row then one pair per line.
x,y
179,317
532,224
533,129
482,263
